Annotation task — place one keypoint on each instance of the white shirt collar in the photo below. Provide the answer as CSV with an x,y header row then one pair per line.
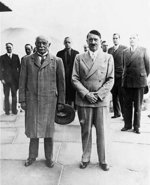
x,y
133,49
93,55
116,47
45,54
10,55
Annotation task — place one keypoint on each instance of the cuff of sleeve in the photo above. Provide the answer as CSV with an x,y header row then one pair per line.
x,y
83,95
100,97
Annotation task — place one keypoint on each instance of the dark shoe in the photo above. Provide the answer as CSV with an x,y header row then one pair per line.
x,y
29,161
49,163
84,164
136,131
116,116
15,112
125,129
21,110
7,113
104,167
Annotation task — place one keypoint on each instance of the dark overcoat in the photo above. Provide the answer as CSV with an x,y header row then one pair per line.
x,y
70,91
41,87
10,69
118,64
136,68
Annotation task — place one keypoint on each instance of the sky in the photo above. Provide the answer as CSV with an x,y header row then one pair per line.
x,y
75,18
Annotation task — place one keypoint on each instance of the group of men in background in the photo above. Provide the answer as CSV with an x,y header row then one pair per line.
x,y
132,67
9,75
80,80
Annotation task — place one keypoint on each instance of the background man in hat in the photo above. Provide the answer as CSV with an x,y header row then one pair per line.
x,y
117,91
68,55
41,91
136,69
9,76
93,78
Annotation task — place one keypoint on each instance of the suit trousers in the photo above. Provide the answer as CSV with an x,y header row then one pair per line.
x,y
48,148
117,97
133,101
7,88
97,116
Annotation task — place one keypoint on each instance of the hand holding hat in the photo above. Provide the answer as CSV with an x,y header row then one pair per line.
x,y
60,107
65,114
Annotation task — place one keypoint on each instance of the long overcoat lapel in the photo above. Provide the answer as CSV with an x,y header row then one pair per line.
x,y
46,62
135,53
115,52
131,56
38,62
8,58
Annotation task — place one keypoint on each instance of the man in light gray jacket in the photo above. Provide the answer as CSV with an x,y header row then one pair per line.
x,y
93,78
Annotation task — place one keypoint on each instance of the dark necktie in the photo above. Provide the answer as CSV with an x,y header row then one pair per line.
x,y
68,57
9,56
42,57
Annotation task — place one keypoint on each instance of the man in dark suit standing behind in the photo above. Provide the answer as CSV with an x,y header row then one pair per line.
x,y
136,69
68,55
117,92
9,76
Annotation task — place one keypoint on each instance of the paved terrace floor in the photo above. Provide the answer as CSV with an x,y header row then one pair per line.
x,y
128,154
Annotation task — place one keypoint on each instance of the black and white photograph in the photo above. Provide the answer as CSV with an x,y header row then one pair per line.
x,y
75,92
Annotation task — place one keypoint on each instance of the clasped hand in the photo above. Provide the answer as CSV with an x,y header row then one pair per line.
x,y
92,97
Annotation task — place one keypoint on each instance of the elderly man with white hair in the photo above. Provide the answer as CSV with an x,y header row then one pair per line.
x,y
41,92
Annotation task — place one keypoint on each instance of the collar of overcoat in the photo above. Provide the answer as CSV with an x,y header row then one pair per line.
x,y
98,62
37,61
131,56
71,55
12,56
117,50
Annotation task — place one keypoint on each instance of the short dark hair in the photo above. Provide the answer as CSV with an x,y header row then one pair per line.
x,y
95,32
104,41
66,38
116,34
28,45
8,43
